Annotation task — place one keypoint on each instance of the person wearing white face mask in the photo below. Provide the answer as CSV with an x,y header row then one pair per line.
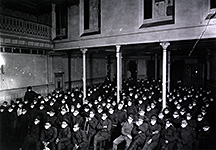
x,y
191,121
176,119
104,126
139,133
52,117
167,138
76,118
125,133
185,136
33,135
90,125
63,140
78,138
153,134
48,136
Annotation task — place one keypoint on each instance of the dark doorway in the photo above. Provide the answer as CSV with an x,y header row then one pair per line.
x,y
132,67
177,73
151,69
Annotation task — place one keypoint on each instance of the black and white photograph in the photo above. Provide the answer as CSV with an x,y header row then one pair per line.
x,y
107,74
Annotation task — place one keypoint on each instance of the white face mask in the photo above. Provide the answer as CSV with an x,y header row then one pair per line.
x,y
153,122
141,113
183,125
130,121
175,116
111,111
100,111
161,116
51,114
47,126
32,106
188,117
103,117
199,119
166,111
36,122
91,115
10,110
206,128
75,129
64,126
63,112
168,125
148,109
129,104
75,113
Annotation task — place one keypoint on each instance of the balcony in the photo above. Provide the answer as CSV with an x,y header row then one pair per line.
x,y
27,28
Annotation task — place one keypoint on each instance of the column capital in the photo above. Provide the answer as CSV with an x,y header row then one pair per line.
x,y
84,50
164,45
118,48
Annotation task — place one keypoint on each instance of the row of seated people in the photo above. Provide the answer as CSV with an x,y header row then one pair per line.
x,y
63,121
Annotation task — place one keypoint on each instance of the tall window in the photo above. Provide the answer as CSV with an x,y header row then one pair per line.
x,y
147,9
90,17
61,20
212,4
156,12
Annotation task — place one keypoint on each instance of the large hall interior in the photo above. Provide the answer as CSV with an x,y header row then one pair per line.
x,y
107,75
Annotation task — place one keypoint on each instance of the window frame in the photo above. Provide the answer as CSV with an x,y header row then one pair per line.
x,y
154,21
95,30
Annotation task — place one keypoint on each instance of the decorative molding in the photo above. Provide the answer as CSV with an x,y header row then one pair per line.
x,y
13,41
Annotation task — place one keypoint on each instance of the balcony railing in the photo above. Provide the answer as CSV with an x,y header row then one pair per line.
x,y
24,27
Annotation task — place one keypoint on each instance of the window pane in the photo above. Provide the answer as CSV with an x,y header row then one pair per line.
x,y
147,9
86,14
213,4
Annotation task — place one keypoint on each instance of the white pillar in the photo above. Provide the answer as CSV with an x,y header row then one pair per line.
x,y
84,72
168,70
164,76
119,71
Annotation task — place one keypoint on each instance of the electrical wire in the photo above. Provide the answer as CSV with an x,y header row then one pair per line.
x,y
201,35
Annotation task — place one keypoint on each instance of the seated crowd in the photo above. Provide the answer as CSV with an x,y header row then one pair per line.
x,y
63,120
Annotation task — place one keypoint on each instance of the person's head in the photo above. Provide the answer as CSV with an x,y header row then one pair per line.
x,y
41,107
148,108
141,112
111,110
10,109
184,123
206,128
47,125
153,120
175,114
104,116
188,116
29,88
139,121
168,123
161,115
91,114
76,112
78,105
37,120
64,124
130,119
76,127
199,117
120,106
